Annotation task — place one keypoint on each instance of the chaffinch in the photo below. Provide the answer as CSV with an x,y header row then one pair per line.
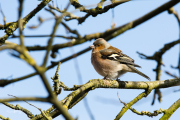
x,y
110,62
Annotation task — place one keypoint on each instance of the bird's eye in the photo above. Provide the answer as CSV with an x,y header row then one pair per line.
x,y
98,45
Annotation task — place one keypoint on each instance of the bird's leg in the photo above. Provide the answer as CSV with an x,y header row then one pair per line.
x,y
118,79
106,78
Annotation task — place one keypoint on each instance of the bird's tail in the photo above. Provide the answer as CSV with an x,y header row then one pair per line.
x,y
138,72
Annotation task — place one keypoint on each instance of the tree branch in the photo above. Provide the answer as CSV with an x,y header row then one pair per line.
x,y
11,27
51,40
24,98
4,82
94,11
128,105
158,58
112,33
18,107
77,95
3,118
171,110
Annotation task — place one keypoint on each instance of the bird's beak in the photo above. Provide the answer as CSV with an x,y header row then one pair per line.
x,y
92,46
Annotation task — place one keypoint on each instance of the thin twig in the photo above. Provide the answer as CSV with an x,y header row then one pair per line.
x,y
128,105
58,20
170,74
86,105
56,81
157,112
3,118
20,23
11,27
171,110
4,18
61,36
112,33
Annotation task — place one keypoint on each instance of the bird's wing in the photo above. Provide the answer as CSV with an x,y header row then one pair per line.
x,y
115,49
117,56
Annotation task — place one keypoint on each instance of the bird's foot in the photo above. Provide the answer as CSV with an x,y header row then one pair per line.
x,y
118,79
105,78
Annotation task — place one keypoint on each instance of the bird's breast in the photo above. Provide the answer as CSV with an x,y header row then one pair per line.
x,y
105,66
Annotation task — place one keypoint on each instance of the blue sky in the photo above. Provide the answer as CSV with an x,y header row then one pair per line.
x,y
146,38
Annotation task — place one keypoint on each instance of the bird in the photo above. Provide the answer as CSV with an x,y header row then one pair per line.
x,y
110,62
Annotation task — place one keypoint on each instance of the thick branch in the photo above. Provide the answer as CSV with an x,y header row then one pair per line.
x,y
109,34
72,98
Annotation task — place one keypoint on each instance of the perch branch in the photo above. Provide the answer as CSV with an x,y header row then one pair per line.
x,y
72,98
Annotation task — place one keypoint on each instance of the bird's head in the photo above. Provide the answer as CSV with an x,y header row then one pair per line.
x,y
99,44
